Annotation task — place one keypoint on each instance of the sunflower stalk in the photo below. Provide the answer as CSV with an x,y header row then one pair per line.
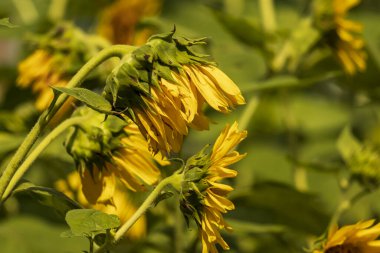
x,y
38,150
45,117
346,203
148,203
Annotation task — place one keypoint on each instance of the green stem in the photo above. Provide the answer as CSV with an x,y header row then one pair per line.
x,y
345,204
27,10
248,112
38,150
57,9
291,82
173,180
43,120
268,15
178,230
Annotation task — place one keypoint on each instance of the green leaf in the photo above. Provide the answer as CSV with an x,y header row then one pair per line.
x,y
90,98
348,145
48,197
5,22
85,222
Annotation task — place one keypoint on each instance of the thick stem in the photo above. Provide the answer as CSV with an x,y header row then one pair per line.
x,y
173,179
78,78
38,150
147,204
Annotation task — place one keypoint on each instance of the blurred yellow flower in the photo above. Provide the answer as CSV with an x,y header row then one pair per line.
x,y
204,198
342,35
358,238
119,22
38,71
349,46
122,206
176,105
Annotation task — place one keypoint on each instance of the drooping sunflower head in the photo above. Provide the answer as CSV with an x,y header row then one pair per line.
x,y
121,22
123,205
108,151
163,85
203,196
343,36
357,238
59,55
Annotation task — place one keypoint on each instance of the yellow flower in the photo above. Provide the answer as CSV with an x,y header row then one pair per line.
x,y
122,206
358,238
38,71
204,198
176,105
163,86
119,22
110,151
131,163
343,35
350,45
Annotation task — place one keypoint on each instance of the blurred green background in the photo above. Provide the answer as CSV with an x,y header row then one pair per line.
x,y
288,185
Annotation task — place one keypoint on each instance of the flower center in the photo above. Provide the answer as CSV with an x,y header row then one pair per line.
x,y
345,248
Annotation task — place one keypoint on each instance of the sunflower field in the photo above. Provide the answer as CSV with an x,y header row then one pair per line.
x,y
179,126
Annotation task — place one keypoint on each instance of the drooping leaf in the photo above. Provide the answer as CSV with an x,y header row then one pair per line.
x,y
85,222
88,97
48,197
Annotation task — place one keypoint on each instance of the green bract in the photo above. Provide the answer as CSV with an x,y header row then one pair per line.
x,y
92,143
194,184
138,71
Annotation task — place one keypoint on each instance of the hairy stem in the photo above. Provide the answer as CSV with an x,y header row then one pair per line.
x,y
43,120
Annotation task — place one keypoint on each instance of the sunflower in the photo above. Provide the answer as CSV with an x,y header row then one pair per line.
x,y
358,238
38,71
59,55
344,36
110,151
123,205
203,197
120,22
175,106
163,87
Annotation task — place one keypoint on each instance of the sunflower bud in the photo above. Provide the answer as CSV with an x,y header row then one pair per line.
x,y
163,85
